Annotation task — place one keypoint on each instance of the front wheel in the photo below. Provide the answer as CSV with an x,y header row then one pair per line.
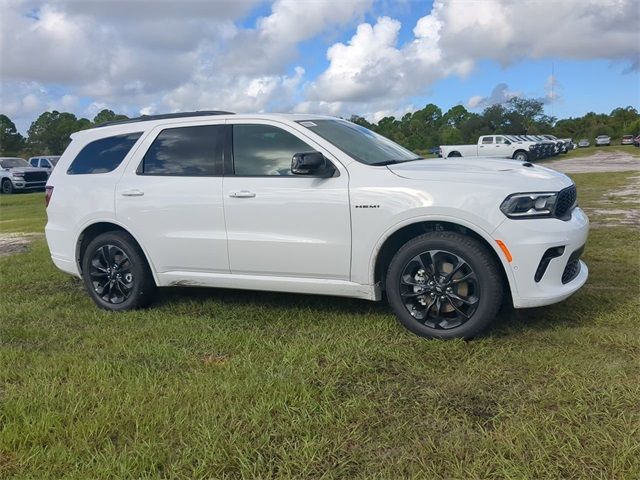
x,y
444,285
116,274
7,186
521,156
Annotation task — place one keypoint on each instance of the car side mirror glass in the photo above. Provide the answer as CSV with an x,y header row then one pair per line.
x,y
311,163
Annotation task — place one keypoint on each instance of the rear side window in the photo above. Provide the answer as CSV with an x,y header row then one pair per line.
x,y
185,151
104,155
487,140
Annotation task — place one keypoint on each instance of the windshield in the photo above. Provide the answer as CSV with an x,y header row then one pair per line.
x,y
13,163
360,143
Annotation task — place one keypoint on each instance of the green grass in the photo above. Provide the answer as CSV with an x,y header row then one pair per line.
x,y
231,384
23,212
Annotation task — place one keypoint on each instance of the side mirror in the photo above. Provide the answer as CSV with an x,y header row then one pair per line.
x,y
313,164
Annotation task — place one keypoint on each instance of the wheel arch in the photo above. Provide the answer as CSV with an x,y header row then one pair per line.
x,y
92,230
518,151
392,242
454,153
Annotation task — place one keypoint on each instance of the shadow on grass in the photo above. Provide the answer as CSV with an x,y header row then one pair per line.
x,y
571,312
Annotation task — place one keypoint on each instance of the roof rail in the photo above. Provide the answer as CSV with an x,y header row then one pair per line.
x,y
146,118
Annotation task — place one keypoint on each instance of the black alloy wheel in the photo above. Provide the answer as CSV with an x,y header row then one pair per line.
x,y
439,289
116,273
111,275
444,284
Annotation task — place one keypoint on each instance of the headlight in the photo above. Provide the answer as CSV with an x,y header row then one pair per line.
x,y
18,174
529,205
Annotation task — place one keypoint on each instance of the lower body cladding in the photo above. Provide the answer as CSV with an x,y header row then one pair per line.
x,y
546,266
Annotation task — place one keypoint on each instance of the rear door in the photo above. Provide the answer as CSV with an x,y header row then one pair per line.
x,y
486,146
280,224
170,197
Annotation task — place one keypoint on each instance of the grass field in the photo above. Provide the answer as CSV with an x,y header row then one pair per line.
x,y
232,384
613,148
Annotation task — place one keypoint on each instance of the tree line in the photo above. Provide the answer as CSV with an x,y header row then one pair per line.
x,y
420,130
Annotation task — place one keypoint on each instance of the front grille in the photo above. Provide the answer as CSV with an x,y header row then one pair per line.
x,y
572,269
35,176
565,202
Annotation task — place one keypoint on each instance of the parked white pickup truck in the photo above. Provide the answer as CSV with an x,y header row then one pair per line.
x,y
492,146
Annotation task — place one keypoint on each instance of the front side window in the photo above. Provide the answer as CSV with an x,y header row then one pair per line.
x,y
185,152
359,143
501,140
44,163
104,155
487,140
263,150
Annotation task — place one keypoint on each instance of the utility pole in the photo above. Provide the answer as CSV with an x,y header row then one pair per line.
x,y
553,81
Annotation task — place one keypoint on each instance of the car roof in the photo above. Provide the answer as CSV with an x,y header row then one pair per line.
x,y
151,121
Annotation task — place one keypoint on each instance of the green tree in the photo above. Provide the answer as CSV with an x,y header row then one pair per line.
x,y
11,142
106,115
50,133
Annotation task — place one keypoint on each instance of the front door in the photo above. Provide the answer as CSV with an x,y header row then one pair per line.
x,y
278,223
171,199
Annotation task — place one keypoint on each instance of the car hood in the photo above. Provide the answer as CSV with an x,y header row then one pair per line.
x,y
523,176
25,169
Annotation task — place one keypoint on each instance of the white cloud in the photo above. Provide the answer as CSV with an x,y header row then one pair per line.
x,y
372,68
500,94
162,55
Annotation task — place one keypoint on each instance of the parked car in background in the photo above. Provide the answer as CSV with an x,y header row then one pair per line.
x,y
17,175
502,146
603,140
46,161
636,141
213,199
583,143
626,140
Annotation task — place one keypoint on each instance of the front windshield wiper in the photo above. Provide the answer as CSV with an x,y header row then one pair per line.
x,y
393,162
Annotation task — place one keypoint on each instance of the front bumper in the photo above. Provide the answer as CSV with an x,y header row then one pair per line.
x,y
528,240
24,185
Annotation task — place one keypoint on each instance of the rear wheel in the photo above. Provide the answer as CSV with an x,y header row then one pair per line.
x,y
454,154
7,186
116,274
444,285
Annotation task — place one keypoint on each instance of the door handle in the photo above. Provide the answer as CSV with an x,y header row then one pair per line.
x,y
242,194
132,193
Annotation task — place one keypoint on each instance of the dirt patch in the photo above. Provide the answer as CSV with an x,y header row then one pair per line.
x,y
605,161
620,207
16,242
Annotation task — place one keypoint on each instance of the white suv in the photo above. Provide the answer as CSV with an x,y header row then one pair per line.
x,y
310,204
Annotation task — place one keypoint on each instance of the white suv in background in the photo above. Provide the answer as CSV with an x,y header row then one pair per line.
x,y
310,204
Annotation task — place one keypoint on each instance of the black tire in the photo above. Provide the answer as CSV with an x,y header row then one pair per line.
x,y
127,287
7,186
485,286
521,156
454,154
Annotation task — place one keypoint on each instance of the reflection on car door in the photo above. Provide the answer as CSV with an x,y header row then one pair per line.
x,y
172,199
278,223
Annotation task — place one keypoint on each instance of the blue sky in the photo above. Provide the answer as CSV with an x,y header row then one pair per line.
x,y
367,57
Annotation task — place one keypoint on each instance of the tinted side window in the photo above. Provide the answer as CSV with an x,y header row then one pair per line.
x,y
44,163
33,162
487,140
260,150
104,155
185,151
